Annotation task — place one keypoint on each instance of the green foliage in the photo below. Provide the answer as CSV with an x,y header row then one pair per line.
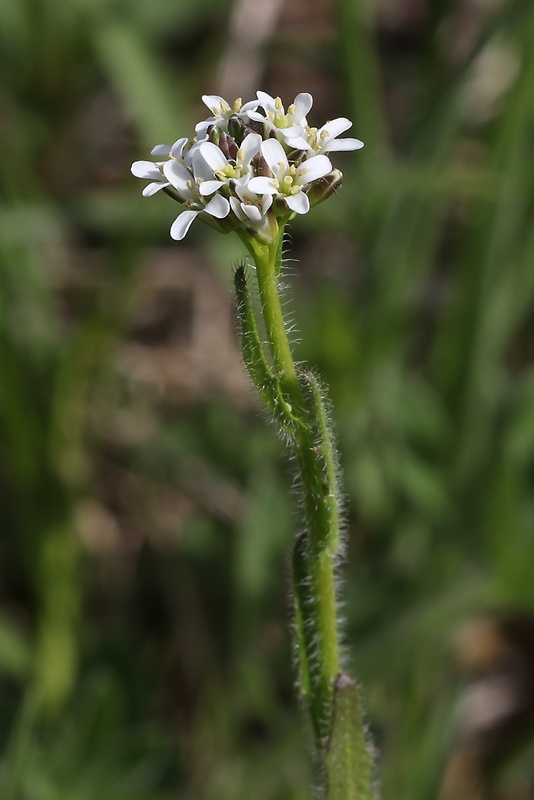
x,y
145,523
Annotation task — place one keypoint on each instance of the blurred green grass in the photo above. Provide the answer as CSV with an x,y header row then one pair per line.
x,y
146,521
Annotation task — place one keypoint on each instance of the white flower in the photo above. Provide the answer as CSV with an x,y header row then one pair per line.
x,y
287,125
170,150
222,112
153,171
187,184
288,180
324,140
247,205
223,169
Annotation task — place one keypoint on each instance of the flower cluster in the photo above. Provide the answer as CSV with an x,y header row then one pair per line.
x,y
249,166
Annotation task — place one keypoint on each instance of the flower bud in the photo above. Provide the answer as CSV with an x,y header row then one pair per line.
x,y
268,232
214,134
236,128
228,146
322,188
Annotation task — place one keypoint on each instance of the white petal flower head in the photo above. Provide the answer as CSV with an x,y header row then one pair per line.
x,y
286,125
247,205
222,113
324,140
153,171
250,167
170,150
289,181
187,184
225,169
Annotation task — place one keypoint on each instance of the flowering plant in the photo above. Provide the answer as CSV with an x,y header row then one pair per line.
x,y
250,168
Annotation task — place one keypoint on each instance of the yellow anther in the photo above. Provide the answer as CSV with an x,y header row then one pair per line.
x,y
291,109
191,185
237,104
278,104
281,165
288,180
295,189
324,134
293,170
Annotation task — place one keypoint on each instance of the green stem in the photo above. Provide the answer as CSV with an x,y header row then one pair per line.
x,y
316,627
296,401
267,258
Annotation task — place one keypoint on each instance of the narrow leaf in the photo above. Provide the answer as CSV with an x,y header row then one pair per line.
x,y
348,758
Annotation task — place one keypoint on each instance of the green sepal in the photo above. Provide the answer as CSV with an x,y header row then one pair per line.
x,y
348,759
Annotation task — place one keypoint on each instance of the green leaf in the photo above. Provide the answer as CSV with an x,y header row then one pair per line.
x,y
348,760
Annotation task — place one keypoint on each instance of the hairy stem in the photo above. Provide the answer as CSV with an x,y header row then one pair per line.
x,y
316,626
297,403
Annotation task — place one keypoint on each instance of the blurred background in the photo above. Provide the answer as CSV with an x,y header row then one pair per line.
x,y
145,515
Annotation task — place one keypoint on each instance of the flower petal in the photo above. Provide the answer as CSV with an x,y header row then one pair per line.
x,y
181,224
177,174
218,207
152,188
313,168
178,147
291,132
298,203
213,156
147,170
334,127
266,203
214,102
262,185
275,156
256,116
299,143
235,205
343,144
252,212
303,103
208,187
162,150
250,146
266,101
248,106
201,169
